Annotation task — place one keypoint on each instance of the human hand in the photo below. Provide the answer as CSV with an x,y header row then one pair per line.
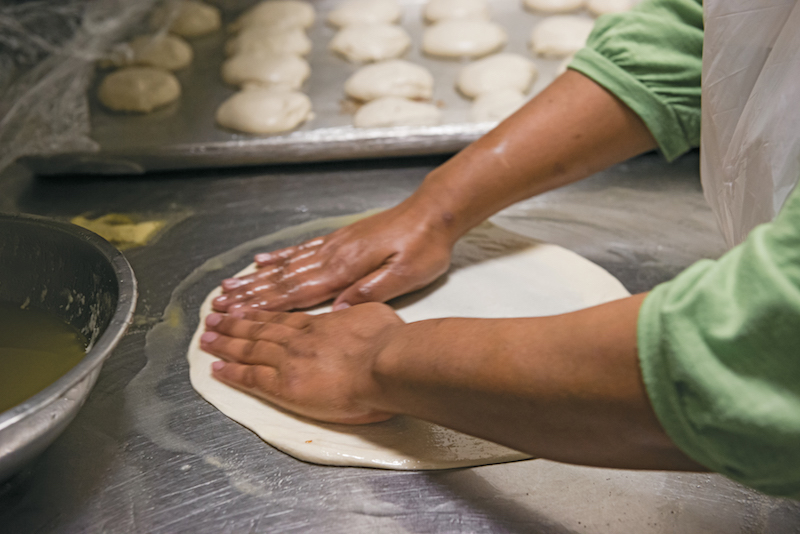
x,y
373,260
320,366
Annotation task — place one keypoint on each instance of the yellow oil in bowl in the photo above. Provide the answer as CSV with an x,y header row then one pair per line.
x,y
36,349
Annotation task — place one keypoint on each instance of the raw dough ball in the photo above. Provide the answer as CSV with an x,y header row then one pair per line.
x,y
163,51
554,6
501,71
277,14
286,71
370,42
496,106
188,18
260,110
560,36
394,77
459,38
438,10
138,89
269,41
394,111
602,7
365,12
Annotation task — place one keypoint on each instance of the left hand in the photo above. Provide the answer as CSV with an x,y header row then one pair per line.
x,y
319,366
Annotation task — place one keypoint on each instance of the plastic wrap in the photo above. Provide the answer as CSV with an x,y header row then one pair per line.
x,y
48,51
751,110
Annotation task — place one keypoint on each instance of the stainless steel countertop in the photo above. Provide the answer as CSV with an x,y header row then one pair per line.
x,y
147,454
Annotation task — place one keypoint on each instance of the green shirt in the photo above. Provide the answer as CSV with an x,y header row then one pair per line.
x,y
719,346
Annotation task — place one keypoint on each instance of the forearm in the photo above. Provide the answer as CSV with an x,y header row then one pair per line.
x,y
566,388
569,131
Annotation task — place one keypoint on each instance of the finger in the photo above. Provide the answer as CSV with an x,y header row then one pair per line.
x,y
297,320
277,256
239,326
249,351
261,273
259,380
381,285
295,294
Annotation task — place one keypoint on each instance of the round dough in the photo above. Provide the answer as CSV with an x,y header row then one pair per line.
x,y
496,106
162,51
370,42
393,111
560,36
286,14
463,38
602,7
260,110
494,274
493,73
439,10
188,18
365,12
554,6
138,89
394,77
255,40
286,71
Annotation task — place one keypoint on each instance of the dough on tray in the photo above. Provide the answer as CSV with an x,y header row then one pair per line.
x,y
138,89
163,51
361,43
259,110
285,14
493,73
438,10
494,274
187,18
393,77
269,41
365,12
560,36
554,6
602,7
276,70
394,111
463,38
496,105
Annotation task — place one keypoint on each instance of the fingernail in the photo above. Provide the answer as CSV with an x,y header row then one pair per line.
x,y
231,283
218,366
221,298
262,257
237,314
341,306
214,319
209,337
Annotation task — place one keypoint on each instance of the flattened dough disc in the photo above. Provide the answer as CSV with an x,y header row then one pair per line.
x,y
495,273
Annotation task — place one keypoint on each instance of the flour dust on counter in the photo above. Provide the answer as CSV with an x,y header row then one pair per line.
x,y
494,274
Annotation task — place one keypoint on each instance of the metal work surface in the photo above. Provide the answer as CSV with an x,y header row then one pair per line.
x,y
185,135
146,454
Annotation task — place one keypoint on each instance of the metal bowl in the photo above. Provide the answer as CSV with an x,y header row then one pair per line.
x,y
78,276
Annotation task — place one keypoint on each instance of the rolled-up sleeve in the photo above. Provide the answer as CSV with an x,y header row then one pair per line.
x,y
719,348
651,59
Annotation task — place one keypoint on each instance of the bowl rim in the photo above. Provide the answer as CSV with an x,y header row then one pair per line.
x,y
96,355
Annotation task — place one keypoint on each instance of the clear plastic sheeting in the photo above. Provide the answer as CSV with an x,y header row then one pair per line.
x,y
751,113
47,54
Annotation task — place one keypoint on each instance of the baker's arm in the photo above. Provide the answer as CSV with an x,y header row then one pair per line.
x,y
569,131
567,387
640,86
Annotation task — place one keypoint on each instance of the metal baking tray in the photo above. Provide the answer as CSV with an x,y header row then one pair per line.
x,y
184,135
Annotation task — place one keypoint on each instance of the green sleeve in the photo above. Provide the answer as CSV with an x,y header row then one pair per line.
x,y
719,348
651,59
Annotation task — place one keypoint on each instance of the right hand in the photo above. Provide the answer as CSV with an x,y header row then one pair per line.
x,y
373,260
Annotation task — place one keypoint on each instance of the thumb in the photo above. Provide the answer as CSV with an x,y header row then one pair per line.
x,y
379,286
